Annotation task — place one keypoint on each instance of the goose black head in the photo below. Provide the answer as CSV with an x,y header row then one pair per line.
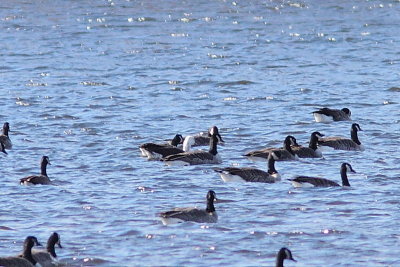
x,y
31,241
348,168
55,239
45,160
213,131
211,195
290,140
356,127
347,111
285,253
178,139
317,134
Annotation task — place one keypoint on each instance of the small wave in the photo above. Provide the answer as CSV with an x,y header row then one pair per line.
x,y
91,83
88,261
259,98
35,84
130,233
141,19
5,228
241,82
330,231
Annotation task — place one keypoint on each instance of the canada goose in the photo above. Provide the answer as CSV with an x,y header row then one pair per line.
x,y
4,137
232,174
26,259
38,179
283,254
306,181
48,257
327,115
178,215
312,150
3,149
198,156
157,151
285,153
340,143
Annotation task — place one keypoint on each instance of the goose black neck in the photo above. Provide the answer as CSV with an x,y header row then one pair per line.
x,y
210,205
5,129
27,253
50,248
3,149
43,166
280,258
288,147
271,165
213,145
343,174
313,142
354,136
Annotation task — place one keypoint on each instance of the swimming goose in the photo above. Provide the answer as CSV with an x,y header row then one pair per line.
x,y
340,143
157,151
4,137
306,181
312,150
3,149
48,257
179,215
285,153
38,179
283,254
26,259
327,115
232,174
198,156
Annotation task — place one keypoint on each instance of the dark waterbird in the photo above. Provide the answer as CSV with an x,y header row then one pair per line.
x,y
327,115
341,143
246,174
4,138
307,181
24,260
177,215
38,179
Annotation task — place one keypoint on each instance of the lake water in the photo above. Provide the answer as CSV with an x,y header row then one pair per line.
x,y
87,82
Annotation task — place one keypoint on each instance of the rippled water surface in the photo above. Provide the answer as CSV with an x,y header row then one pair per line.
x,y
86,82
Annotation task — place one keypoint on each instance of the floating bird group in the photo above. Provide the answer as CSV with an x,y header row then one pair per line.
x,y
291,150
30,257
179,152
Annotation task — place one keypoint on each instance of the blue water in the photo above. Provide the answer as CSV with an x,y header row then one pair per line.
x,y
87,82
